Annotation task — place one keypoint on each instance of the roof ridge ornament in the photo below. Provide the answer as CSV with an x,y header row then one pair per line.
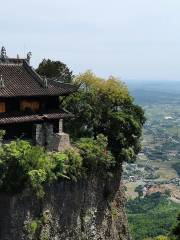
x,y
28,58
45,81
2,85
3,56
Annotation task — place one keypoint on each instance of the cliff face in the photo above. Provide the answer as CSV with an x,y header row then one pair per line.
x,y
89,209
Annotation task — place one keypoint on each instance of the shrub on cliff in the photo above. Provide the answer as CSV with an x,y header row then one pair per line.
x,y
25,166
68,164
95,153
105,107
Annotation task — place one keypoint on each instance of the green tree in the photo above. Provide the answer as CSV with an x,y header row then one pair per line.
x,y
139,190
151,216
176,229
105,107
161,238
55,70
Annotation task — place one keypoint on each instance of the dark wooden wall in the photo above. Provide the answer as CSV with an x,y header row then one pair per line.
x,y
46,103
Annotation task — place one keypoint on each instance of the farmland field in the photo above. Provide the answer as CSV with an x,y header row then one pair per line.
x,y
157,169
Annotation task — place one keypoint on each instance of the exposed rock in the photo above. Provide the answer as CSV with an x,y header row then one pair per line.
x,y
91,209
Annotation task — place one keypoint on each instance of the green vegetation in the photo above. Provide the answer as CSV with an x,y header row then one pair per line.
x,y
55,70
2,133
95,153
161,237
114,212
68,164
105,107
106,131
176,166
34,227
151,216
31,228
176,229
25,166
174,234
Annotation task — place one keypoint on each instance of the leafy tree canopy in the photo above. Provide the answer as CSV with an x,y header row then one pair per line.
x,y
161,238
176,229
105,107
56,70
152,217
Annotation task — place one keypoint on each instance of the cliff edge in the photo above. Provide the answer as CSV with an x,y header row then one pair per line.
x,y
88,209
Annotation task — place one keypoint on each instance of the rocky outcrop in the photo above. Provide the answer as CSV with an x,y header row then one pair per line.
x,y
86,209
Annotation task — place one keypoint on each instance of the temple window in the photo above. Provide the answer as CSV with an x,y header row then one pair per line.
x,y
2,107
31,105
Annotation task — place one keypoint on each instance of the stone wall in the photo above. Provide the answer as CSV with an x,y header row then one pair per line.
x,y
43,135
90,209
38,134
59,142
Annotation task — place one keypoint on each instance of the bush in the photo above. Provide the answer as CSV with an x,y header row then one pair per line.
x,y
31,228
75,164
2,133
161,238
95,153
68,164
60,164
25,166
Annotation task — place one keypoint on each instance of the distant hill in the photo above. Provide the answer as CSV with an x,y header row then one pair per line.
x,y
155,91
143,96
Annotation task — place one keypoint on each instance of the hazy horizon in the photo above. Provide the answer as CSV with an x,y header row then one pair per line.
x,y
132,39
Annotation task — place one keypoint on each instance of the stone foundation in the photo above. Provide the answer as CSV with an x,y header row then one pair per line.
x,y
44,135
60,142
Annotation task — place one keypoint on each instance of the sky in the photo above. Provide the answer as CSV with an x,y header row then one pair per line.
x,y
130,39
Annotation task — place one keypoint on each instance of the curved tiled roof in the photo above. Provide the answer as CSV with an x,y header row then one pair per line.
x,y
20,117
21,80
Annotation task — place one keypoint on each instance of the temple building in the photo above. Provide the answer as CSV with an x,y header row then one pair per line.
x,y
29,104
